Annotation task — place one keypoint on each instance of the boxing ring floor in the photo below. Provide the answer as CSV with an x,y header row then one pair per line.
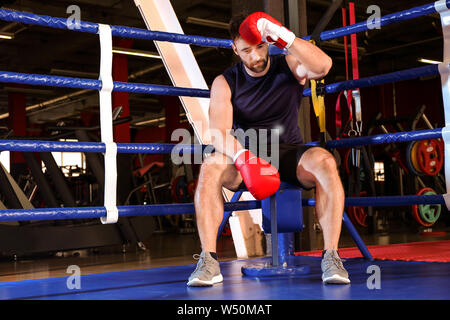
x,y
399,280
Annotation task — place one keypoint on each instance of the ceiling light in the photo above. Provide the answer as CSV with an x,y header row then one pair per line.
x,y
429,61
138,53
28,90
141,123
207,23
6,35
73,73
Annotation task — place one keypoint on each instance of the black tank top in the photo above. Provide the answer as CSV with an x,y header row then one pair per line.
x,y
268,102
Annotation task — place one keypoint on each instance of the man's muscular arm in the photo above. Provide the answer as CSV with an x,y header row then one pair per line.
x,y
260,177
307,61
221,118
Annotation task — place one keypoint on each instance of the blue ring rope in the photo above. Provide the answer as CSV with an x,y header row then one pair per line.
x,y
137,33
397,137
119,31
70,146
184,208
91,84
68,82
384,21
386,201
396,76
124,211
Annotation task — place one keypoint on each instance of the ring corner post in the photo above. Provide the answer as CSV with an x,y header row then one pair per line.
x,y
444,71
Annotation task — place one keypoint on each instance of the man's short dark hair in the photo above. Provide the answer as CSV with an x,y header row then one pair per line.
x,y
234,24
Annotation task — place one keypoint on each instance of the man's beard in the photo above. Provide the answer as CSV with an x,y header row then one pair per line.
x,y
260,67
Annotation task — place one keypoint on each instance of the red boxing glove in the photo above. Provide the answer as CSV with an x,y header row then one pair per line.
x,y
260,26
261,178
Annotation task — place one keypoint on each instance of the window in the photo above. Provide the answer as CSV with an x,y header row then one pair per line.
x,y
4,159
379,171
71,163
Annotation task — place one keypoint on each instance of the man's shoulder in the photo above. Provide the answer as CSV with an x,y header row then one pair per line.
x,y
231,70
220,85
219,79
229,76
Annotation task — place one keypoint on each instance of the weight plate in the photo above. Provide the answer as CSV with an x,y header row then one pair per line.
x,y
358,215
409,156
430,156
430,212
414,158
426,215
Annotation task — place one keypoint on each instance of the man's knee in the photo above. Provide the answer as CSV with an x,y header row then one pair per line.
x,y
328,162
219,168
214,165
319,159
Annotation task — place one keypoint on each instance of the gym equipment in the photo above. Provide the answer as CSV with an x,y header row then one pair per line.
x,y
358,215
430,156
179,189
359,167
411,159
426,214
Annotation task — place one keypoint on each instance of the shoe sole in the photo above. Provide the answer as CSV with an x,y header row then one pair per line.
x,y
196,282
336,279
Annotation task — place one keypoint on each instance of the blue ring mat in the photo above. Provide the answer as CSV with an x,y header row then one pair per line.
x,y
400,280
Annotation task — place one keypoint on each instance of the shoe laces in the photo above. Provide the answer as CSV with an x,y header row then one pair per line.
x,y
201,264
333,260
196,256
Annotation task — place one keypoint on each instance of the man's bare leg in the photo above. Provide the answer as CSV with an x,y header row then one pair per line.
x,y
317,168
217,171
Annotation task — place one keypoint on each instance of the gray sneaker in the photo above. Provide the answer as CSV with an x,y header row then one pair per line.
x,y
207,272
333,270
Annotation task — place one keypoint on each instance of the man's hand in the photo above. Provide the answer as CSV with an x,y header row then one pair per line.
x,y
260,177
260,26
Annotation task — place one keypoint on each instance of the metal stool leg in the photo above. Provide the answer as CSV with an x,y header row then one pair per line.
x,y
274,230
274,269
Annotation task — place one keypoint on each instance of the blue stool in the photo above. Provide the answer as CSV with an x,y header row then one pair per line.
x,y
282,216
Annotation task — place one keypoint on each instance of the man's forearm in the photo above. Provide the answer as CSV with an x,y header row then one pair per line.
x,y
225,143
312,58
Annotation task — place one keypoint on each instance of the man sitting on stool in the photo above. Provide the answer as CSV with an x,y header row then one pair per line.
x,y
264,92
